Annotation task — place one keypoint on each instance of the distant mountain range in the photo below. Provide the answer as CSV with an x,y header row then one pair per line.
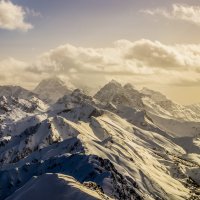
x,y
60,143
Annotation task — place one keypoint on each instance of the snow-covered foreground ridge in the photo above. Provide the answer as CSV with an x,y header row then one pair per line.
x,y
120,144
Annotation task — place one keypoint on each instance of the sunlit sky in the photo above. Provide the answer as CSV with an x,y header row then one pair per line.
x,y
151,43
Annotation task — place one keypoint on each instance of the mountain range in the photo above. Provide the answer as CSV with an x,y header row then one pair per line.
x,y
57,142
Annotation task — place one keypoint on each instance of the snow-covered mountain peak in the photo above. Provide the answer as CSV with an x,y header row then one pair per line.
x,y
49,83
106,93
51,89
120,96
111,86
114,82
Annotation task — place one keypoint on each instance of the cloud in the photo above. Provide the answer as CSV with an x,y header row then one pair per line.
x,y
12,17
178,12
71,59
124,57
144,61
155,54
11,64
11,69
32,13
14,72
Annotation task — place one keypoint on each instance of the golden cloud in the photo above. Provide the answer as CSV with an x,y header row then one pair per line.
x,y
12,17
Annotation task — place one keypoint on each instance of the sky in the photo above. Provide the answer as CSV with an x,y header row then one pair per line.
x,y
149,43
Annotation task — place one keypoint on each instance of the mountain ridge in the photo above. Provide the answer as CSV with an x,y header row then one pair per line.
x,y
112,140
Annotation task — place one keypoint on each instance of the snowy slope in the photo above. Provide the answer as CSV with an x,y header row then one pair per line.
x,y
158,104
110,143
16,114
62,187
176,127
176,120
142,158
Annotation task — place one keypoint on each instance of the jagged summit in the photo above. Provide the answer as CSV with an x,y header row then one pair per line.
x,y
51,89
111,86
50,82
108,91
113,92
114,82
